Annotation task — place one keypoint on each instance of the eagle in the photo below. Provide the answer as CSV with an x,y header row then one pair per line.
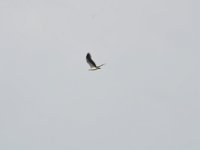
x,y
92,64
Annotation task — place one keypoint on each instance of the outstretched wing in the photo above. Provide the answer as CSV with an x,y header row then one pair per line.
x,y
90,61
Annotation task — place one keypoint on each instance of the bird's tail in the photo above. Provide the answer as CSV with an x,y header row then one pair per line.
x,y
96,68
99,67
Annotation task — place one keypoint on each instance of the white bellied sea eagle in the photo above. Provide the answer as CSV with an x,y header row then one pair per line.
x,y
92,64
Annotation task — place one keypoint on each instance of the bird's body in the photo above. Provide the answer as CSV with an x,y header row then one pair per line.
x,y
92,64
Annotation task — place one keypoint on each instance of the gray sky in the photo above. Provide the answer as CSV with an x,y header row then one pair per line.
x,y
145,98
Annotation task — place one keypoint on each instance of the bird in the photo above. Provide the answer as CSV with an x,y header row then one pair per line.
x,y
91,63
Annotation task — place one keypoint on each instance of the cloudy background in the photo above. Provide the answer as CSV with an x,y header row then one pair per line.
x,y
146,97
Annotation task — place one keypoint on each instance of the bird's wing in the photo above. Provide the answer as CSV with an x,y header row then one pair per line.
x,y
90,61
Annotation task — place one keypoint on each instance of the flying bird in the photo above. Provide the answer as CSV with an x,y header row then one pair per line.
x,y
92,64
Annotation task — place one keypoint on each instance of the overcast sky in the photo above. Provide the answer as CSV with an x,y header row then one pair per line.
x,y
146,97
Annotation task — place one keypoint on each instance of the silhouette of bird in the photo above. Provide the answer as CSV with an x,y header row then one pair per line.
x,y
92,64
